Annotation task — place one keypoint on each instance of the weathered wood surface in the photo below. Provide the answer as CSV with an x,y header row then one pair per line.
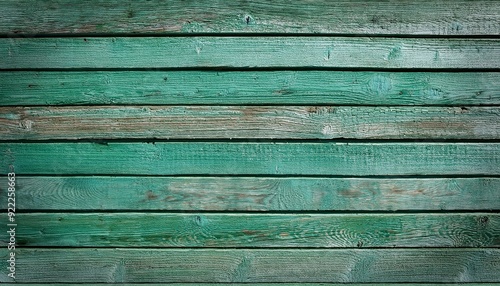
x,y
254,193
253,158
252,265
255,230
271,122
248,74
249,87
279,16
245,52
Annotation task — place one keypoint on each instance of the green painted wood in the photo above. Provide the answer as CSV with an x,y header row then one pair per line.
x,y
244,52
177,158
177,231
206,122
255,230
279,16
281,87
254,193
252,265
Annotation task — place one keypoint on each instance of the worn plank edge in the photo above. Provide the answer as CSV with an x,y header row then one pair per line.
x,y
259,284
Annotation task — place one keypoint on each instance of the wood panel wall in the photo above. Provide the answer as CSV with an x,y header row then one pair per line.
x,y
263,142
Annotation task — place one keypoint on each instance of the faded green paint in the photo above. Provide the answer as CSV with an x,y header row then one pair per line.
x,y
427,17
248,52
255,194
209,122
256,230
256,265
179,158
249,87
354,80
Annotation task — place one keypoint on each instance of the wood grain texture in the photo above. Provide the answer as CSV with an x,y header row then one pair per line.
x,y
255,230
255,210
178,158
270,122
245,52
279,16
250,87
232,265
254,193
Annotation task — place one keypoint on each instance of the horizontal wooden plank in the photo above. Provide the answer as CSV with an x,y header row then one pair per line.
x,y
252,265
279,16
254,193
255,230
250,87
236,158
244,52
270,122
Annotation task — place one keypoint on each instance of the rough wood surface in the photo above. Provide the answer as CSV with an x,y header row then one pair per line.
x,y
270,122
279,16
254,193
122,204
250,87
245,52
319,158
233,265
255,230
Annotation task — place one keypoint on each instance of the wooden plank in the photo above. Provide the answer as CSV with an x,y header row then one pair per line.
x,y
250,87
252,265
280,16
236,158
254,193
255,230
271,122
245,52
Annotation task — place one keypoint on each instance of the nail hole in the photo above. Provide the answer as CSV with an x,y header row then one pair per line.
x,y
484,220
